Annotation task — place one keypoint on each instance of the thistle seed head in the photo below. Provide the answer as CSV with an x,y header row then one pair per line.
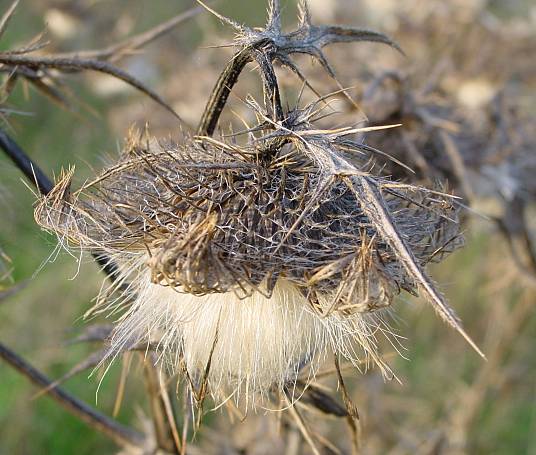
x,y
247,257
250,253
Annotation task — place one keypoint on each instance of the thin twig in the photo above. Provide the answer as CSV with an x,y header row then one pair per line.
x,y
162,427
300,423
116,51
78,64
38,178
32,172
120,434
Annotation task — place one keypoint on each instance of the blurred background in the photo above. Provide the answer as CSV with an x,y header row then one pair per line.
x,y
447,399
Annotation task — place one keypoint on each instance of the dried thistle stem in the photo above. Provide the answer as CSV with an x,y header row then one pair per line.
x,y
119,433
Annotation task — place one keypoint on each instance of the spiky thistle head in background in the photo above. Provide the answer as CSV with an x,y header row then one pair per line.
x,y
247,259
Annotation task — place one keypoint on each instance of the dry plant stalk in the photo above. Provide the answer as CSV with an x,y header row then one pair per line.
x,y
245,258
44,72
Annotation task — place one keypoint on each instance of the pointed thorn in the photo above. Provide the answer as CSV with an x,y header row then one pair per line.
x,y
469,340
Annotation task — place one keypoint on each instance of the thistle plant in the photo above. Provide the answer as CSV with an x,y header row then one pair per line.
x,y
245,260
276,236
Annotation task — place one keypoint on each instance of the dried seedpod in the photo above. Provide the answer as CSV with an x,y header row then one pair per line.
x,y
484,153
246,258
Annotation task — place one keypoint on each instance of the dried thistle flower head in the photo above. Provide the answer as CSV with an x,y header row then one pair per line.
x,y
244,259
250,263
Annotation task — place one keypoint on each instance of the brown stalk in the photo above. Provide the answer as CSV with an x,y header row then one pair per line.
x,y
163,426
354,424
302,426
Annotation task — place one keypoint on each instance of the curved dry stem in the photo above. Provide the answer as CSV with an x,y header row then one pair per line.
x,y
120,434
78,64
117,51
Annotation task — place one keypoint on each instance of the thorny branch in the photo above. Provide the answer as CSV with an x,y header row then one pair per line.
x,y
269,45
18,65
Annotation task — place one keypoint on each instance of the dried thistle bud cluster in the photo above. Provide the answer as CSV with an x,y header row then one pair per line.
x,y
249,258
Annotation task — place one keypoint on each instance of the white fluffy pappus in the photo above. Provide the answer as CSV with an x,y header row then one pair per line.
x,y
248,346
